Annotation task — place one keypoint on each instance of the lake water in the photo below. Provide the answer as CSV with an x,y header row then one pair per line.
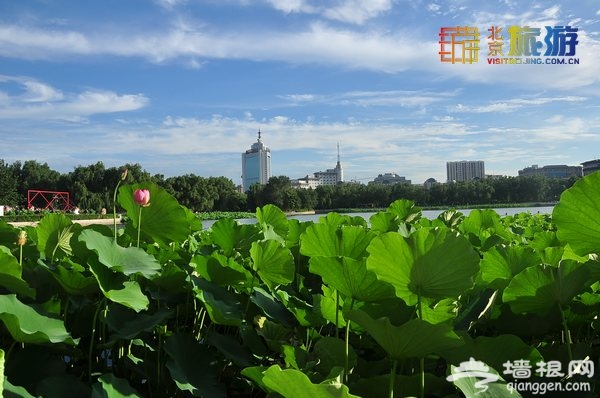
x,y
430,214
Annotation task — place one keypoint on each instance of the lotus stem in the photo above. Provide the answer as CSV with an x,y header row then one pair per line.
x,y
115,209
393,378
139,226
347,347
566,332
337,314
92,337
422,359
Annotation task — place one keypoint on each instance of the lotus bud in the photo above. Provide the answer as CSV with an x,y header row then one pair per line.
x,y
259,321
141,197
22,239
123,174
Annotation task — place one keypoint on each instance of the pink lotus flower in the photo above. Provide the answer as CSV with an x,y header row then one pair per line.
x,y
141,197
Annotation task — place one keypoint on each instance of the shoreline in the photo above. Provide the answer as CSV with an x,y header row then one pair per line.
x,y
91,221
110,221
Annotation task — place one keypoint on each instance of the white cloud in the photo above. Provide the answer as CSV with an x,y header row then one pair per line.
x,y
358,11
434,8
40,92
42,101
348,11
511,105
291,6
170,3
318,43
372,98
212,146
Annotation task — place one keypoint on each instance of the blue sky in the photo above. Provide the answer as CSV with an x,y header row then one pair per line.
x,y
183,86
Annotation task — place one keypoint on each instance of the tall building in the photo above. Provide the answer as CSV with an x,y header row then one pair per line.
x,y
327,177
465,170
552,171
256,165
590,166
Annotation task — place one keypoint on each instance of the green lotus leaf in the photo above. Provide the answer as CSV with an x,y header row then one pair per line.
x,y
1,372
483,225
230,236
26,325
480,386
413,339
11,274
325,305
73,280
294,383
191,366
11,390
501,263
223,306
351,278
273,217
164,220
126,324
404,386
127,260
494,351
117,288
109,385
331,353
222,270
54,233
577,215
442,311
435,263
405,210
231,349
383,221
256,374
331,240
305,313
272,307
273,262
539,289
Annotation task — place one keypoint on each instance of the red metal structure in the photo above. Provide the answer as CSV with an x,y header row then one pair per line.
x,y
48,200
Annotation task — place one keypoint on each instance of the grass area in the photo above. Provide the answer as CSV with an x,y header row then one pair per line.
x,y
217,215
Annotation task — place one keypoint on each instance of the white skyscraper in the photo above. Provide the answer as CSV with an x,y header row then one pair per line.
x,y
465,170
256,165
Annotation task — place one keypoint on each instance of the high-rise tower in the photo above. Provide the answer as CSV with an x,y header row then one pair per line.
x,y
256,164
465,170
338,166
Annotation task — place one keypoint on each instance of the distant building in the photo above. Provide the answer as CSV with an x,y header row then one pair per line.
x,y
389,178
328,177
552,171
465,170
306,182
256,165
429,182
590,166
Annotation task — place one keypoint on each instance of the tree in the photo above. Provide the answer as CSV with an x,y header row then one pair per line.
x,y
276,190
34,175
9,195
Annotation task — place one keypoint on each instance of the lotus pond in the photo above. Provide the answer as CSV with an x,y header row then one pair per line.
x,y
338,307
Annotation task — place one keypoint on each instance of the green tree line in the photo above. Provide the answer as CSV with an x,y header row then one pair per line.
x,y
504,190
91,189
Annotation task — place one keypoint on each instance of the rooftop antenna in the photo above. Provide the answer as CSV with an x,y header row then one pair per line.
x,y
259,134
338,151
